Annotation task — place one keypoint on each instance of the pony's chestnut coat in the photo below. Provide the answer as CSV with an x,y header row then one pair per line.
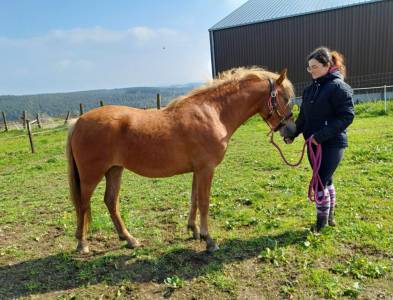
x,y
190,135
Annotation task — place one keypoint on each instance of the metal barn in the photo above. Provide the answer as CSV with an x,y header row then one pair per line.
x,y
280,33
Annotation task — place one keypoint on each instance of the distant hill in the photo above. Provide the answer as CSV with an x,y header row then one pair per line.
x,y
58,104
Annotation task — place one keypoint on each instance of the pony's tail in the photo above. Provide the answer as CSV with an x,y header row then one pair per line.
x,y
73,174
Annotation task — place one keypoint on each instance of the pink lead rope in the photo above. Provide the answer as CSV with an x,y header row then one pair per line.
x,y
315,157
316,182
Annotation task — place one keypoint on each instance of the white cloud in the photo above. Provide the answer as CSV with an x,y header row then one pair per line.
x,y
87,35
65,64
80,35
143,33
102,35
90,58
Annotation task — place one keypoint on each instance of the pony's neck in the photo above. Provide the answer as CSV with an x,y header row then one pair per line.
x,y
237,107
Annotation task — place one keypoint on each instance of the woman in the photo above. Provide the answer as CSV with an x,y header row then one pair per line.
x,y
326,111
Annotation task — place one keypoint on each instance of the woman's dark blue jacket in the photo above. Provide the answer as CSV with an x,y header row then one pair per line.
x,y
326,111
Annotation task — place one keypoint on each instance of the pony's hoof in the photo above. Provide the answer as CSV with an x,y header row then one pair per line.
x,y
211,245
131,244
212,248
82,248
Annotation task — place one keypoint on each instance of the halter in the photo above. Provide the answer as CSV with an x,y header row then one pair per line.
x,y
274,108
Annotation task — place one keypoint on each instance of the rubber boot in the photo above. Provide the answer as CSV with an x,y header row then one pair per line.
x,y
332,221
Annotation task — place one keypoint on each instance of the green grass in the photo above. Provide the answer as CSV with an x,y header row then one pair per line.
x,y
259,216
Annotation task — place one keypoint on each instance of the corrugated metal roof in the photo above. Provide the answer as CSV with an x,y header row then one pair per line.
x,y
255,11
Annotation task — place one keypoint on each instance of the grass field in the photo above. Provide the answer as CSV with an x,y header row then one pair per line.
x,y
259,215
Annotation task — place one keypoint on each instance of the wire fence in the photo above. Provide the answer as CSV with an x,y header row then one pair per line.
x,y
384,93
366,94
47,121
59,127
359,81
31,125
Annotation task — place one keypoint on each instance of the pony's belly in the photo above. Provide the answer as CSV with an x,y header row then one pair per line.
x,y
155,166
159,171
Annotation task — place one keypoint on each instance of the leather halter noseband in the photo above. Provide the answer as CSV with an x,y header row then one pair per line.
x,y
274,107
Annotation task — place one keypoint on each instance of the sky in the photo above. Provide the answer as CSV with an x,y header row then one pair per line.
x,y
72,45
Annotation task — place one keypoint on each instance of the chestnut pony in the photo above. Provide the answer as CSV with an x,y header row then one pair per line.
x,y
190,135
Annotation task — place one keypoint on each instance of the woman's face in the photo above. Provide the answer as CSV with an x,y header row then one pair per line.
x,y
316,69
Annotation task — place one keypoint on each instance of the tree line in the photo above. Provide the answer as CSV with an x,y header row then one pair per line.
x,y
58,104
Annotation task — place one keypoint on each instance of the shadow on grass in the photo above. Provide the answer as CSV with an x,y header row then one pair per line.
x,y
64,271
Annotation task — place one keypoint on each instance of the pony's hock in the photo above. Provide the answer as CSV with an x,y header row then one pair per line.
x,y
190,135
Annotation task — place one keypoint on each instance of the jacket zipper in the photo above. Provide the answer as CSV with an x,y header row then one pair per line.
x,y
315,92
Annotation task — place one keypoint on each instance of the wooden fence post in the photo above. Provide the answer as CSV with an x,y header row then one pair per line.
x,y
5,121
39,121
66,118
80,109
30,136
24,117
101,103
384,97
158,101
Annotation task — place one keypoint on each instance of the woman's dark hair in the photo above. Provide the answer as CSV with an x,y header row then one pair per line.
x,y
325,56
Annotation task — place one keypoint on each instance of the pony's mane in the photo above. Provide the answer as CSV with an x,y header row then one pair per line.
x,y
234,76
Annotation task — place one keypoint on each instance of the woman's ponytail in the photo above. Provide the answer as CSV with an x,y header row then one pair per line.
x,y
338,62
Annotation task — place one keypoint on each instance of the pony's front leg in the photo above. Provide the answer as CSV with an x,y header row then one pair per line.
x,y
193,210
204,181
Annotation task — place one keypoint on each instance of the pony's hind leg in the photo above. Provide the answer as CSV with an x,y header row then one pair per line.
x,y
193,210
83,217
113,179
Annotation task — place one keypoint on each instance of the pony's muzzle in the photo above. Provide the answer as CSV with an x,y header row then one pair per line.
x,y
288,130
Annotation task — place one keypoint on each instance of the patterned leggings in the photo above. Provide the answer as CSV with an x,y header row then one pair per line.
x,y
331,158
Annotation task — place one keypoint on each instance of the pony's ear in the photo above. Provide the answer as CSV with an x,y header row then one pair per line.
x,y
283,75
